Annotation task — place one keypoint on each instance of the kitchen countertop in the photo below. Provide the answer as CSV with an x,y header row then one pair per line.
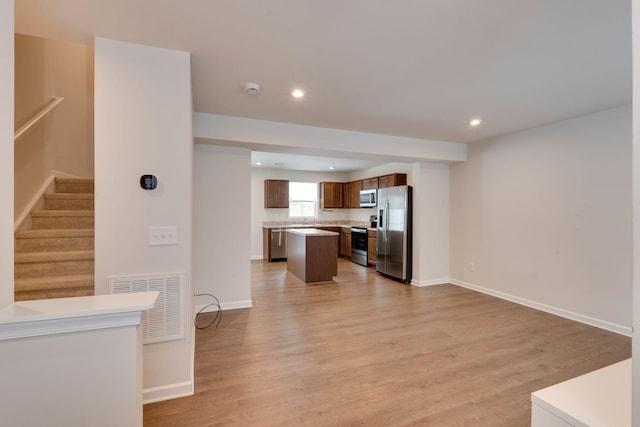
x,y
316,225
311,232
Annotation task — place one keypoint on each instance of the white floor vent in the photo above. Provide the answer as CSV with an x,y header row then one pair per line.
x,y
164,322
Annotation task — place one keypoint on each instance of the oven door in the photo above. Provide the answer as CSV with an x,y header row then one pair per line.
x,y
359,245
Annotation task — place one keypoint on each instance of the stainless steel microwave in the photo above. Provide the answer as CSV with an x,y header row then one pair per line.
x,y
368,198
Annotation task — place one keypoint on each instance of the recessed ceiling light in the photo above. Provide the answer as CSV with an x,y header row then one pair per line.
x,y
297,93
475,122
258,163
332,167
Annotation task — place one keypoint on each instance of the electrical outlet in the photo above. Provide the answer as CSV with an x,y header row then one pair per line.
x,y
472,267
159,236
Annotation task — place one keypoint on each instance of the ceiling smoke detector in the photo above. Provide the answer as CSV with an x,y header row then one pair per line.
x,y
252,88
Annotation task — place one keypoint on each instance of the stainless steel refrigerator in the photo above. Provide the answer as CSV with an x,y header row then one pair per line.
x,y
393,241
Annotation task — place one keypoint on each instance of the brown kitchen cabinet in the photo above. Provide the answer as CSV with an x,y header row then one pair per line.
x,y
352,194
312,255
335,230
347,195
371,246
345,249
392,180
276,193
370,183
331,195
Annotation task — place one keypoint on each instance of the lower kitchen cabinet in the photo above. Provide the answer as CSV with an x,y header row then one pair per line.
x,y
371,246
336,230
345,249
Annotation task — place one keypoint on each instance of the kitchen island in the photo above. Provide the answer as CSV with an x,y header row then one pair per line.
x,y
312,254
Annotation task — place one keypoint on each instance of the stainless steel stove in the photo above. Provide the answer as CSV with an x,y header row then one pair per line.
x,y
359,245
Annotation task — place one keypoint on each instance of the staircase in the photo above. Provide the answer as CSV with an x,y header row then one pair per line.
x,y
55,258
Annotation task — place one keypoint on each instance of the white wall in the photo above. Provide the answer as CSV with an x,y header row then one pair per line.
x,y
222,211
430,224
544,215
73,379
6,152
143,125
636,213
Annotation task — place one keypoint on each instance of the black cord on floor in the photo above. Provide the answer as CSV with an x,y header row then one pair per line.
x,y
216,320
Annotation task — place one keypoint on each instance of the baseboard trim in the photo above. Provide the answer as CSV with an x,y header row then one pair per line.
x,y
256,257
59,174
602,324
431,282
32,203
233,305
167,392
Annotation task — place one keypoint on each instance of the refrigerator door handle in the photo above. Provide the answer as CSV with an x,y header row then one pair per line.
x,y
386,227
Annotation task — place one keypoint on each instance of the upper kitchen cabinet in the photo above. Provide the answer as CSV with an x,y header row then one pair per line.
x,y
331,195
276,193
392,180
370,183
352,194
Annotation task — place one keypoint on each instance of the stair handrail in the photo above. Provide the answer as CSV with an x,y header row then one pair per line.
x,y
50,106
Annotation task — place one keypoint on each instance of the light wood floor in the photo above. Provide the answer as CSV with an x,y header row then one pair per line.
x,y
368,351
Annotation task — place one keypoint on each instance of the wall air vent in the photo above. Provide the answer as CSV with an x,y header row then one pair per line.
x,y
164,322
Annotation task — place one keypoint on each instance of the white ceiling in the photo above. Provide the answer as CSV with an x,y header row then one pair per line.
x,y
415,68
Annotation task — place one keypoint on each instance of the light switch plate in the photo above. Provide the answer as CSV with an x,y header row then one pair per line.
x,y
159,236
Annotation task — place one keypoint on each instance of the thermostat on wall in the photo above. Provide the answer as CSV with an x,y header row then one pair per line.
x,y
148,182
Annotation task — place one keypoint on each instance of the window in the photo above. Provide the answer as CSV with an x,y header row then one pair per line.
x,y
303,199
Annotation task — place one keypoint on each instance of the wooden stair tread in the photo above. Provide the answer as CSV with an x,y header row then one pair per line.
x,y
53,256
31,284
62,213
54,232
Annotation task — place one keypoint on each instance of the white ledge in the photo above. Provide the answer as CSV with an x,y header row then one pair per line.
x,y
54,316
598,398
